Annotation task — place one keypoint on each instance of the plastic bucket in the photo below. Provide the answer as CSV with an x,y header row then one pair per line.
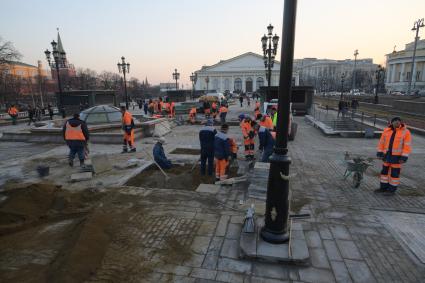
x,y
43,170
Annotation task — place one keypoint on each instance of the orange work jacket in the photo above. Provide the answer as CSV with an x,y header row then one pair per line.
x,y
74,133
12,111
399,146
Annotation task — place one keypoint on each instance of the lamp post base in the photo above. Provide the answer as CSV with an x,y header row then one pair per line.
x,y
274,238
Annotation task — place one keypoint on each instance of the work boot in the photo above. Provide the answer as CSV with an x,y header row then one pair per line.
x,y
124,150
389,193
380,190
81,163
133,149
71,162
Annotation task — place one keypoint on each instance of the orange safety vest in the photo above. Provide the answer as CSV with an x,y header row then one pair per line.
x,y
192,111
74,133
12,111
401,145
267,123
246,129
127,118
161,104
223,109
168,107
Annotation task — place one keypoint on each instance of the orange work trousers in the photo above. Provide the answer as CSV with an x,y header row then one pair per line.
x,y
220,168
390,176
249,146
129,139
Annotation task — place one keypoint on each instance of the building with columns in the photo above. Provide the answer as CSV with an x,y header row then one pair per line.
x,y
399,64
244,73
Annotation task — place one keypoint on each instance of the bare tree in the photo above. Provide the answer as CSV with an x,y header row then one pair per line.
x,y
86,78
8,52
106,79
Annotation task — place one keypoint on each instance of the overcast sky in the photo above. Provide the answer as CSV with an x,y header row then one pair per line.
x,y
158,36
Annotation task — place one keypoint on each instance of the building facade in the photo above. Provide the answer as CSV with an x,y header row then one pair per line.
x,y
326,74
399,64
244,73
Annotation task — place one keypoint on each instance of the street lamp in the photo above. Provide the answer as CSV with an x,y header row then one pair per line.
x,y
124,68
207,80
269,44
193,79
277,205
59,61
378,73
356,52
416,26
342,84
176,76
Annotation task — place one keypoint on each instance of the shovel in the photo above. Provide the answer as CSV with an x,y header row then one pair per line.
x,y
151,158
194,164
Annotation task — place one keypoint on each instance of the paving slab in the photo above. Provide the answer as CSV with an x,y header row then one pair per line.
x,y
208,188
84,176
101,163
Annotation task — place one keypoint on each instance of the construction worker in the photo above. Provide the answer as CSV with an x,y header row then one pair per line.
x,y
221,153
257,110
159,155
266,121
76,135
248,137
192,115
273,115
13,113
168,109
206,139
160,105
128,128
151,107
214,109
267,141
223,113
173,109
394,148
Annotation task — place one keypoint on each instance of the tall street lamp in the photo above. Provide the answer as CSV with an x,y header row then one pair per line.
x,y
207,80
416,26
277,205
356,52
269,52
124,68
176,77
378,73
193,79
342,84
59,61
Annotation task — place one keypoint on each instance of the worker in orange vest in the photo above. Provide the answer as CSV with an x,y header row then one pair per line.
x,y
173,109
160,105
168,109
257,110
248,137
223,113
128,128
221,153
394,148
13,113
214,109
266,121
76,135
192,115
151,107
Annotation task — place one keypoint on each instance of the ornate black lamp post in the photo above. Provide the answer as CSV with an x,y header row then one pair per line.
x,y
207,81
176,77
378,73
59,61
342,85
124,68
269,52
193,79
277,206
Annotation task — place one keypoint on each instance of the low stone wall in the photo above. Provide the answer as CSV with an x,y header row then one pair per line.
x,y
410,106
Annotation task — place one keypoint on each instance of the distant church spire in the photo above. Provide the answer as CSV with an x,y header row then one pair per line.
x,y
60,46
146,81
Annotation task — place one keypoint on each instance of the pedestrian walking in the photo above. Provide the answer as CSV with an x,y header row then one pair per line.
x,y
76,135
340,107
145,107
394,148
241,99
223,113
31,114
206,140
13,113
50,110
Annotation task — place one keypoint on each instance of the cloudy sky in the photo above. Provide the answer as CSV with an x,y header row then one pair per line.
x,y
158,36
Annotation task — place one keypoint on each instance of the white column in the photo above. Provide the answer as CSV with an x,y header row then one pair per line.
x,y
394,69
221,84
243,84
254,82
232,84
402,72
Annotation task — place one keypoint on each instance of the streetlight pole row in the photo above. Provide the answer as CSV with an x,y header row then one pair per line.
x,y
356,52
124,68
176,76
416,26
59,62
269,51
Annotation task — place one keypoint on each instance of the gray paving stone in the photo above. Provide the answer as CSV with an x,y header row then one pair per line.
x,y
318,258
340,232
299,251
233,231
325,233
348,249
255,279
222,225
178,279
203,273
248,245
195,260
229,277
101,163
359,271
332,250
208,188
200,244
230,249
313,239
272,251
340,271
270,270
207,228
363,230
84,176
232,265
316,275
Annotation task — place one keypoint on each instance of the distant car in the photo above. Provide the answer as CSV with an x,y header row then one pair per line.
x,y
219,95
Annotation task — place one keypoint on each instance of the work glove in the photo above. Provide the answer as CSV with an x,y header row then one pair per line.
x,y
403,159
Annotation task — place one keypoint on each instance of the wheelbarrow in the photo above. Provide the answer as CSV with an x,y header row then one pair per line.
x,y
356,166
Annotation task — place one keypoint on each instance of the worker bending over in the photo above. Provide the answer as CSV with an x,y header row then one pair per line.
x,y
128,128
159,154
394,148
206,139
221,152
76,135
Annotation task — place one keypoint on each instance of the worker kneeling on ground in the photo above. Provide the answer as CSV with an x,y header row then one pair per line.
x,y
206,139
128,128
221,152
159,155
76,135
394,148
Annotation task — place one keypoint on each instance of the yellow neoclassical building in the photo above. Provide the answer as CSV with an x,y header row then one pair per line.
x,y
25,71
